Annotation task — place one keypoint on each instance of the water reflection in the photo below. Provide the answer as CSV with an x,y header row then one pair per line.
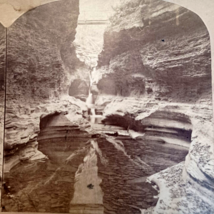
x,y
104,174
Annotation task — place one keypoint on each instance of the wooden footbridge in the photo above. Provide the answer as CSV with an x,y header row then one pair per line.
x,y
93,22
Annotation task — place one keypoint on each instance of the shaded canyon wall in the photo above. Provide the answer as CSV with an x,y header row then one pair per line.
x,y
2,92
164,50
41,59
156,65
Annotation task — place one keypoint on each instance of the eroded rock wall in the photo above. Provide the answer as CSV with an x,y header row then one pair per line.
x,y
161,45
2,55
41,59
40,51
156,59
2,92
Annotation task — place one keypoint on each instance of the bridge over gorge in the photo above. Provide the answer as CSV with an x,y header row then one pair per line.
x,y
93,22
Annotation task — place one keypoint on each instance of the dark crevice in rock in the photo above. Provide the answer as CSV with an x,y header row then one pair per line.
x,y
161,124
79,89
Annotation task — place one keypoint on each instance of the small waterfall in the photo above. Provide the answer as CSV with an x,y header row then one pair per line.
x,y
92,95
90,98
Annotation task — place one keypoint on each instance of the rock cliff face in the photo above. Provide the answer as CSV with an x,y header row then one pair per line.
x,y
2,67
41,59
2,54
156,59
164,47
39,64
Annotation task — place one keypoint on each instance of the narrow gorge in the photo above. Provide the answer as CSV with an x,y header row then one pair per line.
x,y
108,109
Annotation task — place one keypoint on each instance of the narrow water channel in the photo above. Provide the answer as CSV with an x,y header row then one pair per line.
x,y
97,174
88,195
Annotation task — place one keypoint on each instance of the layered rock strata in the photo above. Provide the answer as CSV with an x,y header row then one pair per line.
x,y
197,170
158,65
2,92
24,125
40,63
164,51
41,58
2,55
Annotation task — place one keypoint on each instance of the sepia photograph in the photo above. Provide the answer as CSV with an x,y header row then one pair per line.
x,y
105,108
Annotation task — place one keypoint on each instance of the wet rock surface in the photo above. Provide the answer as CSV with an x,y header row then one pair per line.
x,y
197,170
23,125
